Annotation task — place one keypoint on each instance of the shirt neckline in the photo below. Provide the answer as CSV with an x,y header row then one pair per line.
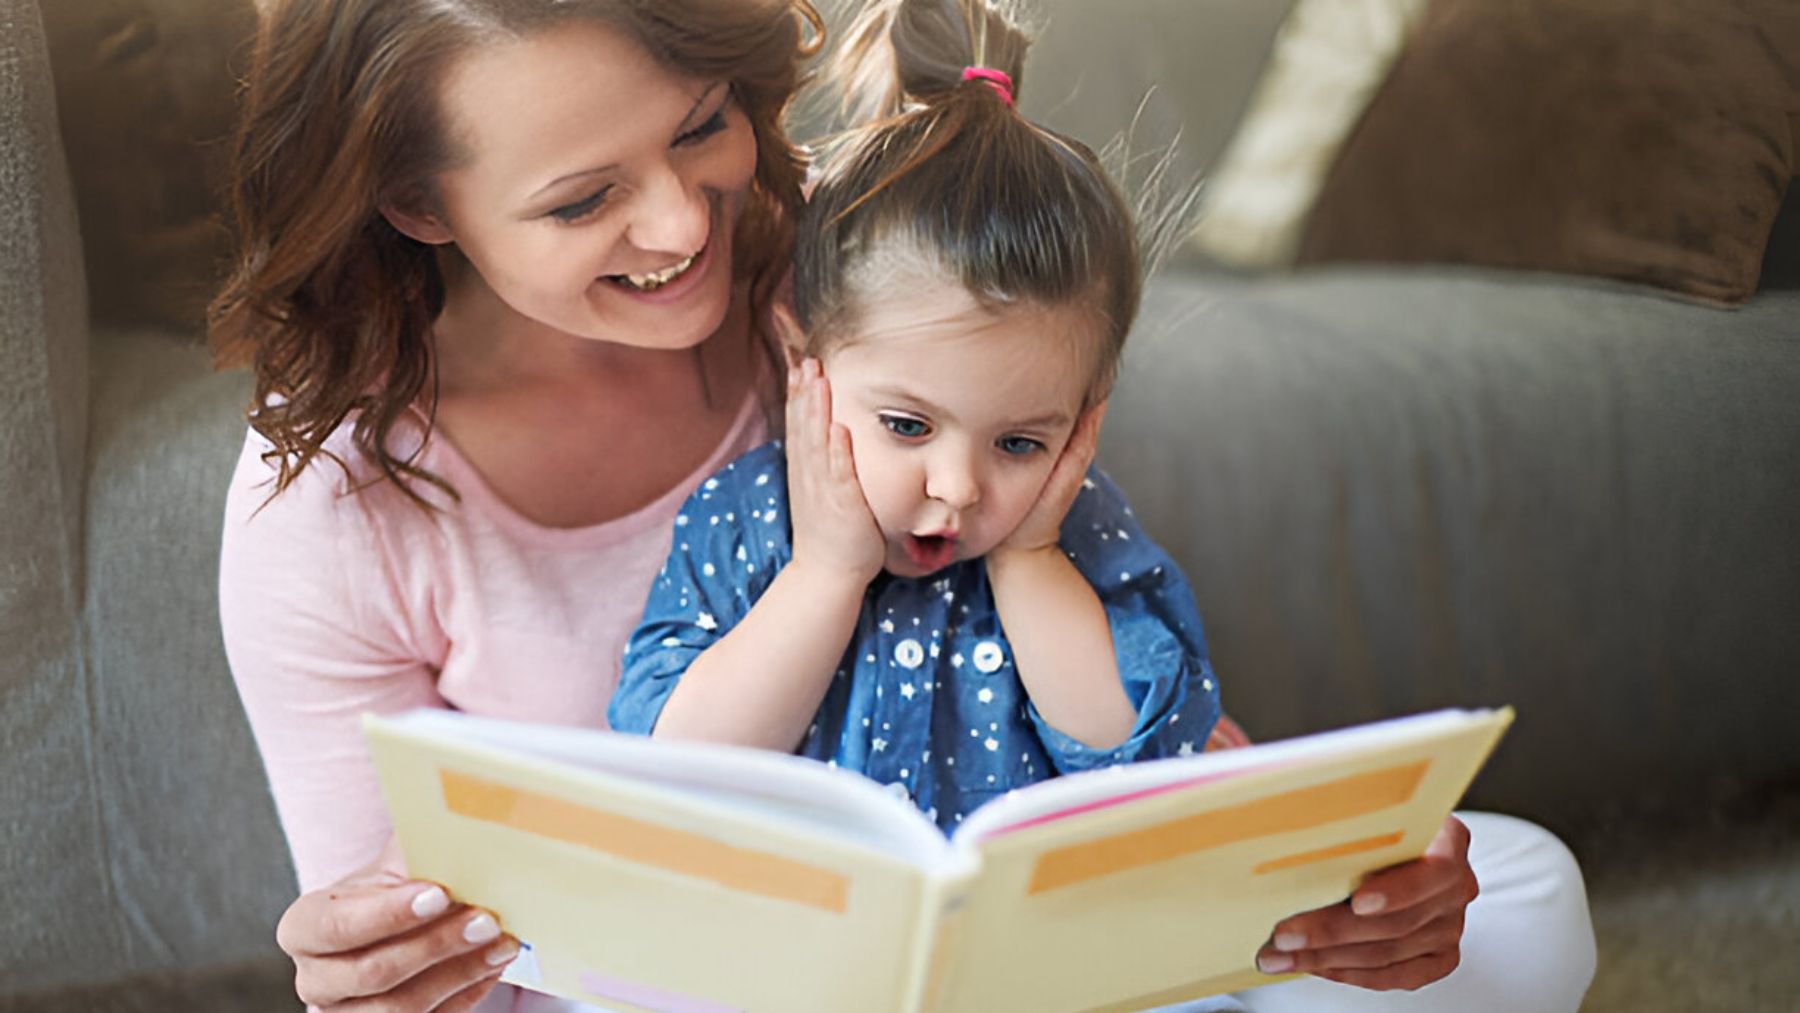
x,y
476,494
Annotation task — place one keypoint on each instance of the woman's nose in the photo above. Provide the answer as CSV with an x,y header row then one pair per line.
x,y
670,217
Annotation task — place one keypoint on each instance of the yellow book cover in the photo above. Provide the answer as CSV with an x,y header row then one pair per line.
x,y
655,877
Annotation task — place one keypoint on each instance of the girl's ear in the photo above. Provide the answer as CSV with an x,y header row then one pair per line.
x,y
412,219
787,331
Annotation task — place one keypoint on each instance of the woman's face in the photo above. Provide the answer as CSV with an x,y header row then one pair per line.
x,y
599,190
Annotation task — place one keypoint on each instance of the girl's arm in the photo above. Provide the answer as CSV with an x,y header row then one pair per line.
x,y
761,683
1061,640
727,656
1106,638
1062,644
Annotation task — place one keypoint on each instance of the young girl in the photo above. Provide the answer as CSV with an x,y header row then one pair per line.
x,y
928,583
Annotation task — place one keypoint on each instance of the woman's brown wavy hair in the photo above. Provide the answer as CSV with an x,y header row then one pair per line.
x,y
331,306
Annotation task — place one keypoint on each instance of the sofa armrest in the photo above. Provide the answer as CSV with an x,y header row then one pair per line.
x,y
50,857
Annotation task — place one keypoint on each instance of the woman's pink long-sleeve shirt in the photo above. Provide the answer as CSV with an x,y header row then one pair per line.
x,y
336,603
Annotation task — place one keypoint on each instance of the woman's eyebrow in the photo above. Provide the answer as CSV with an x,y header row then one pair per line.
x,y
597,170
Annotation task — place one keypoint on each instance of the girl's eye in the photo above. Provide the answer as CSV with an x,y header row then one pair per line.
x,y
904,427
570,213
1018,446
713,124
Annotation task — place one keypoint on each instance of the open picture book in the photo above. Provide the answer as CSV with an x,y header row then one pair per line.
x,y
642,875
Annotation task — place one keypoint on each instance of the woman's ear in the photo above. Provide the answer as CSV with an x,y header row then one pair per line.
x,y
414,219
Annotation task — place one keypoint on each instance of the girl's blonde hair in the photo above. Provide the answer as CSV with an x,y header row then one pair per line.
x,y
949,173
331,306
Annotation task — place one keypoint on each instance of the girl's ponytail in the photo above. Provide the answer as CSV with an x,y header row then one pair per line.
x,y
901,54
943,171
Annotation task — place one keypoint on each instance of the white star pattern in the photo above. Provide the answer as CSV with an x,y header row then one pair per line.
x,y
907,690
706,622
991,744
986,695
1187,749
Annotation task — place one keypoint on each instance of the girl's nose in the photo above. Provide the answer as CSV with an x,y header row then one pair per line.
x,y
953,482
670,216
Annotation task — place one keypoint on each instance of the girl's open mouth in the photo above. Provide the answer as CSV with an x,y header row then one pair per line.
x,y
931,553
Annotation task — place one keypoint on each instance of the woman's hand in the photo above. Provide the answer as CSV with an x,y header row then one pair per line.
x,y
834,529
376,940
1042,526
1400,929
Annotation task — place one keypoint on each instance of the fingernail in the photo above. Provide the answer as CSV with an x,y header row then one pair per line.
x,y
481,929
1274,963
1287,942
430,902
1367,903
503,953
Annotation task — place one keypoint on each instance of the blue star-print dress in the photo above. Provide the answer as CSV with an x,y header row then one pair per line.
x,y
926,697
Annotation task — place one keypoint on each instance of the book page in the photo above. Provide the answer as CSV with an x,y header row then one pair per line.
x,y
805,795
1157,883
1073,795
651,878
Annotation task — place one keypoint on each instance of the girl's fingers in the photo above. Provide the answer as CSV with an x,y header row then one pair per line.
x,y
843,460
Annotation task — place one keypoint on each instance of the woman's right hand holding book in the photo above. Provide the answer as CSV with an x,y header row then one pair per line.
x,y
377,940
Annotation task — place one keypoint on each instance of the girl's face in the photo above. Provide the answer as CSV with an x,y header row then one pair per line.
x,y
956,415
599,189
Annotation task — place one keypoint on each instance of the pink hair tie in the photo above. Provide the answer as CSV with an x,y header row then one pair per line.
x,y
995,79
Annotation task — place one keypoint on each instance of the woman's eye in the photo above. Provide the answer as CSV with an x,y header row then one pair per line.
x,y
1018,446
905,428
582,208
713,124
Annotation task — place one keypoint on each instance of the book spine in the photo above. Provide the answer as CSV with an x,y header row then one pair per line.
x,y
937,935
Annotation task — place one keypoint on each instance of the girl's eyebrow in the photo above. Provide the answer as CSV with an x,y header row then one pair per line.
x,y
597,170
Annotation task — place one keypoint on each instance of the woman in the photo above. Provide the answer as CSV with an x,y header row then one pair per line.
x,y
502,277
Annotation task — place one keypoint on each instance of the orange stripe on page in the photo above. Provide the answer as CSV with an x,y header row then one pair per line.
x,y
1326,854
662,847
1278,814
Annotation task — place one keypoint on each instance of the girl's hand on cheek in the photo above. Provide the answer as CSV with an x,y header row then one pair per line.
x,y
834,529
1043,525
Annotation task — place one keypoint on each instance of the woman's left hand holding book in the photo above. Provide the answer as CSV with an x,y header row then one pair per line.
x,y
376,939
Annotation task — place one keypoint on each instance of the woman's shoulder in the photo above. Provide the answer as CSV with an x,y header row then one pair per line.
x,y
337,499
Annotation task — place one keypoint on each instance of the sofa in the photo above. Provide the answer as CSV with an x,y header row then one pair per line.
x,y
1394,488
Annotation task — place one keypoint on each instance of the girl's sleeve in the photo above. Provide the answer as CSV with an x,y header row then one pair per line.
x,y
314,630
1156,633
729,539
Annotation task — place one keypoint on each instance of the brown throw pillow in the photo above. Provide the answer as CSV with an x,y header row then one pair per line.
x,y
1645,140
145,96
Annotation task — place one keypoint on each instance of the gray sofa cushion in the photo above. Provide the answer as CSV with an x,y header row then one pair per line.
x,y
1403,489
44,706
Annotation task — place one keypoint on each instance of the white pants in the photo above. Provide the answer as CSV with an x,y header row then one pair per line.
x,y
1527,944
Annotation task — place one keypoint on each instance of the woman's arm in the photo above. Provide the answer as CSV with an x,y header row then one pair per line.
x,y
307,609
